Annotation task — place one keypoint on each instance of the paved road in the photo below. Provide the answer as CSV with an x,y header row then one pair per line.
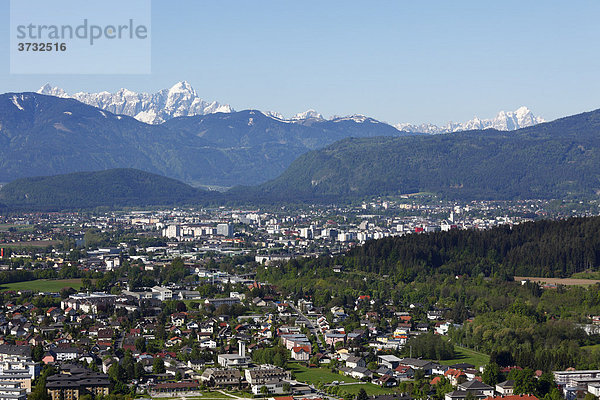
x,y
231,395
311,326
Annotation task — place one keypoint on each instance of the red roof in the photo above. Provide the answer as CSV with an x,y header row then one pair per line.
x,y
435,380
454,372
297,349
508,369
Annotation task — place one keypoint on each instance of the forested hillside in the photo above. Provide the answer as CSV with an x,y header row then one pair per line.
x,y
551,160
111,188
543,248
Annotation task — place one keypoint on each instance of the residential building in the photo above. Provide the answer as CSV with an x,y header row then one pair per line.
x,y
476,387
73,382
163,293
221,377
389,361
265,374
505,388
301,353
12,391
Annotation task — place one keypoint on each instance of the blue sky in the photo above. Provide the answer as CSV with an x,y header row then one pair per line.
x,y
397,61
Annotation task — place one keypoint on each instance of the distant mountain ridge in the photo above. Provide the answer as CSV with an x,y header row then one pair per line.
x,y
182,100
556,159
47,135
504,121
178,101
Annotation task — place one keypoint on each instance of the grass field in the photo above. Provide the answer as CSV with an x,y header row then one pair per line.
x,y
318,375
464,355
324,375
43,285
370,388
33,243
6,227
591,348
586,275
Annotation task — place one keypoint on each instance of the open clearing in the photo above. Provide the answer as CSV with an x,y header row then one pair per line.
x,y
464,355
559,281
43,285
6,227
318,375
324,375
32,243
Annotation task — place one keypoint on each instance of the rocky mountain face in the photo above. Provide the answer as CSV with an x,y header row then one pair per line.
x,y
504,121
179,101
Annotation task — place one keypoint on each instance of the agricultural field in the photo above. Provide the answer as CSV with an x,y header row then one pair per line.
x,y
32,243
6,227
43,285
560,281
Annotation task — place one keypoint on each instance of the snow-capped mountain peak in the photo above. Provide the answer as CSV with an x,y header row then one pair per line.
x,y
308,114
182,87
179,100
182,100
52,91
274,114
504,121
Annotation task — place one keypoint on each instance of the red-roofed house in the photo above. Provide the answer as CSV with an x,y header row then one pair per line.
x,y
435,380
455,375
301,353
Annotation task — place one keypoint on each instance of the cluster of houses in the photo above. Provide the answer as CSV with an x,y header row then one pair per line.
x,y
311,335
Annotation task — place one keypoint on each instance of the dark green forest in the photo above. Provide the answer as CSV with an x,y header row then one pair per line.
x,y
543,248
109,188
558,159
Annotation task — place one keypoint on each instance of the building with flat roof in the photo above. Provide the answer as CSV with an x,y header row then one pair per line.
x,y
163,293
12,391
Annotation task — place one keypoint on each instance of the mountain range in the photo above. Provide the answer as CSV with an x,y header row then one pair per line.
x,y
558,159
182,100
48,135
504,121
179,101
